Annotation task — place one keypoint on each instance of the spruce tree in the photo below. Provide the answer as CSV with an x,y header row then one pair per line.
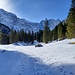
x,y
64,29
71,21
46,32
60,31
41,35
37,36
16,37
21,35
29,36
32,37
25,37
55,33
11,36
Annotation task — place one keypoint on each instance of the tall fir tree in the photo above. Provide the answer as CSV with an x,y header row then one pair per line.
x,y
29,36
41,35
64,29
11,36
25,37
16,37
46,32
21,35
37,36
60,31
55,33
71,21
32,37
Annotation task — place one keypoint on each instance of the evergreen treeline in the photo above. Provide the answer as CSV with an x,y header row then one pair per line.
x,y
22,36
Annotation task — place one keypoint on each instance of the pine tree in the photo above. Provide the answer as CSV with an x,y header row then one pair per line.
x,y
64,29
71,21
55,33
21,35
29,36
37,36
25,37
11,36
60,31
46,32
32,37
40,35
16,37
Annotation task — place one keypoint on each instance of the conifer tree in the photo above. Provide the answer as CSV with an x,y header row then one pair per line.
x,y
37,36
46,32
16,37
71,21
60,31
32,37
11,36
64,29
55,33
40,35
21,35
25,37
29,36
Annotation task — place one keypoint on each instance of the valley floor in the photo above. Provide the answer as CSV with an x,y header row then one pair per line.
x,y
56,58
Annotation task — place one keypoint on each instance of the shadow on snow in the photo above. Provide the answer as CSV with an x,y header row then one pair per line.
x,y
17,63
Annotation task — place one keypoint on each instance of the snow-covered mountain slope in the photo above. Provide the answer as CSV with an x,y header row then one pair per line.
x,y
52,23
12,21
56,58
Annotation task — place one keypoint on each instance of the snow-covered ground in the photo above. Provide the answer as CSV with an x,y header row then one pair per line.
x,y
56,58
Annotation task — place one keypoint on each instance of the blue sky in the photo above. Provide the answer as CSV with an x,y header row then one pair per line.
x,y
37,10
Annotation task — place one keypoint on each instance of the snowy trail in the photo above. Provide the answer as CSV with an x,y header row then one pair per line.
x,y
16,63
26,65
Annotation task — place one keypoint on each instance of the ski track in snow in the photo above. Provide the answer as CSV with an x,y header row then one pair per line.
x,y
56,58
